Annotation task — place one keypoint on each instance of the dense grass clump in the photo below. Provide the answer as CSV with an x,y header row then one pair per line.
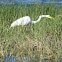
x,y
42,40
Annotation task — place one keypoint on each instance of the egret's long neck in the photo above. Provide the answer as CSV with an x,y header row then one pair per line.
x,y
33,22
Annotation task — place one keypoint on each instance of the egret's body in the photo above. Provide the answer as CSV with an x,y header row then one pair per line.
x,y
22,21
27,20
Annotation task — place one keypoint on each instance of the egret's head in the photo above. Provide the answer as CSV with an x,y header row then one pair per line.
x,y
48,16
51,17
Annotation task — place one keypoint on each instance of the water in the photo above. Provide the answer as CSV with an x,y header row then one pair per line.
x,y
28,1
8,2
25,59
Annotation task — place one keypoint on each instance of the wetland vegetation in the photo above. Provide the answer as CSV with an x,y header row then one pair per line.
x,y
39,41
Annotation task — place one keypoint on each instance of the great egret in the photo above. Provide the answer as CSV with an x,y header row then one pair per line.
x,y
27,20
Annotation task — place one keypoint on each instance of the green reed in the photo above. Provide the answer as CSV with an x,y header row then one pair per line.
x,y
42,40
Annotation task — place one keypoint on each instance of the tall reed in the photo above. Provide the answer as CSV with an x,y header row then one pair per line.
x,y
39,41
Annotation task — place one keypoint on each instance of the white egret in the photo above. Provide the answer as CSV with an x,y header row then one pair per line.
x,y
27,20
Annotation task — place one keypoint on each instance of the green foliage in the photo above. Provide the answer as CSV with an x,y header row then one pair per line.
x,y
19,39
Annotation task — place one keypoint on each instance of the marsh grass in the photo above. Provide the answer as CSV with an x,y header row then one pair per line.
x,y
40,41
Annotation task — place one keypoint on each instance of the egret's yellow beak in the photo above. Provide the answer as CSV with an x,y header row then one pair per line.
x,y
51,17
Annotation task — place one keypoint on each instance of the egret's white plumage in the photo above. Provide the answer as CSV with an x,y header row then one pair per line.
x,y
27,20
